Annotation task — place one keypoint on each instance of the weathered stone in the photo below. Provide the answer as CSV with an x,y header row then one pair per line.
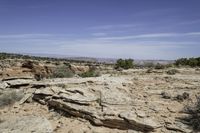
x,y
140,114
46,91
102,109
145,124
15,78
24,99
19,83
113,96
26,124
3,85
180,127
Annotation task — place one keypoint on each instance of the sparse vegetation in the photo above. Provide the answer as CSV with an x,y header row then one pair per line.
x,y
125,64
149,70
10,97
159,66
149,64
62,85
62,72
194,115
28,64
91,73
192,62
172,71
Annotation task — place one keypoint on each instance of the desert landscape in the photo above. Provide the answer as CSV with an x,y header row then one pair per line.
x,y
99,66
65,96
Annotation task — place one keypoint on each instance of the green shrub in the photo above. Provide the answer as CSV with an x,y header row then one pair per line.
x,y
125,64
192,62
62,72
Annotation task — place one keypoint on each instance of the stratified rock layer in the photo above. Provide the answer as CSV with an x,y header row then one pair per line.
x,y
107,107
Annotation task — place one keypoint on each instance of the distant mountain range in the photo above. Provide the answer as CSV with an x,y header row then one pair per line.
x,y
100,60
89,59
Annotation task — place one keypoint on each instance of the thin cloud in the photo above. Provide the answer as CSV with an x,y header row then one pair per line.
x,y
99,34
193,33
27,36
24,35
154,12
117,26
190,22
154,35
144,50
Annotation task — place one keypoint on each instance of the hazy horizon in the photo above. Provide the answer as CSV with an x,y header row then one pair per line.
x,y
102,29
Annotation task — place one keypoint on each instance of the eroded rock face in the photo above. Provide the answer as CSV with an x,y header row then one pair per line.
x,y
25,124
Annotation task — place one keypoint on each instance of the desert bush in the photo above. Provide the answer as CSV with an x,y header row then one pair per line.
x,y
159,66
10,97
125,64
28,64
193,119
149,70
62,72
172,71
169,65
67,64
91,73
192,62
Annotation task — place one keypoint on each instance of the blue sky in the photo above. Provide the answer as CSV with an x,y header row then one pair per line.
x,y
139,29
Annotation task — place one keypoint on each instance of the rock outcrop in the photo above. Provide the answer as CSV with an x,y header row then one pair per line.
x,y
107,107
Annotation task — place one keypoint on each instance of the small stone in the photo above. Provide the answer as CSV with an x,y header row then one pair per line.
x,y
123,84
164,116
167,121
141,114
166,95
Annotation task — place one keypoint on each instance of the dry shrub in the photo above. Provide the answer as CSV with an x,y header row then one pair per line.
x,y
62,72
172,71
193,119
10,97
91,73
